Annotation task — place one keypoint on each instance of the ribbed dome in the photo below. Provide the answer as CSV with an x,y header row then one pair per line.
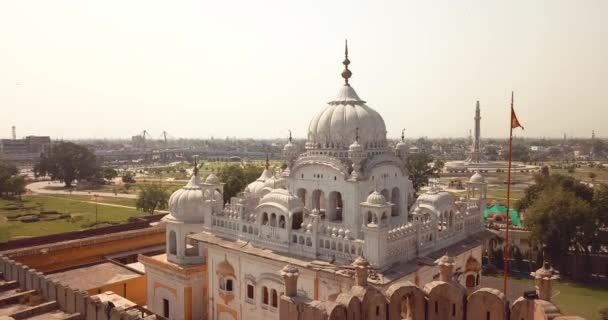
x,y
186,204
255,188
284,198
225,269
376,198
472,265
477,178
212,179
335,126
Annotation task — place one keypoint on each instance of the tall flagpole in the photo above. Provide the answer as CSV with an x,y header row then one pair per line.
x,y
506,257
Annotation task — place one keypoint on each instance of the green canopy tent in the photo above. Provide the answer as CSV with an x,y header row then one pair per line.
x,y
513,215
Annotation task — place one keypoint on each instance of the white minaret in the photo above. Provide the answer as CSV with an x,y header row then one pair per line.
x,y
475,156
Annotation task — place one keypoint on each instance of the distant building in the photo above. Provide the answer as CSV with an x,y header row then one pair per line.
x,y
24,150
31,144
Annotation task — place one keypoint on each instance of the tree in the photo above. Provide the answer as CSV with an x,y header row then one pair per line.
x,y
236,178
592,176
520,153
109,173
560,220
16,185
68,161
152,197
421,167
543,181
128,178
6,172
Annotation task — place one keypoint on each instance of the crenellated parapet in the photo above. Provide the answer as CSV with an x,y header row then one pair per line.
x,y
443,299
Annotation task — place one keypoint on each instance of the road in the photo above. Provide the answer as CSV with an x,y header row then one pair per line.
x,y
52,187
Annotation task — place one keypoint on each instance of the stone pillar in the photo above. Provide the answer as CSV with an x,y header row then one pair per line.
x,y
446,268
290,276
361,271
543,280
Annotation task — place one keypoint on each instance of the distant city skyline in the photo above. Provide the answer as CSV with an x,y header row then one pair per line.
x,y
85,69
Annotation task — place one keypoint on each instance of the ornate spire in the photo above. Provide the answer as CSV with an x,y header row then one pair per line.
x,y
289,135
346,74
267,162
195,170
403,135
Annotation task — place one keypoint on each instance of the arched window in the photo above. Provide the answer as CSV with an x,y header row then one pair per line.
x,y
282,221
265,218
273,220
406,308
275,298
229,285
296,220
264,295
470,281
334,208
301,193
318,201
385,194
370,217
396,200
172,242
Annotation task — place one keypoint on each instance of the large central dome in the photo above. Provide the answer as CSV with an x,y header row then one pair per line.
x,y
345,119
336,126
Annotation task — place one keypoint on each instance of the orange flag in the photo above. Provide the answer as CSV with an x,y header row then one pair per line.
x,y
514,122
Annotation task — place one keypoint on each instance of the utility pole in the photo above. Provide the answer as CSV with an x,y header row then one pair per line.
x,y
96,221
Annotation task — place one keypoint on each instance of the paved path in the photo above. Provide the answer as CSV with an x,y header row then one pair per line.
x,y
53,187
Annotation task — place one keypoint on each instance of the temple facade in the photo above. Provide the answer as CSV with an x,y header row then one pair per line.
x,y
344,196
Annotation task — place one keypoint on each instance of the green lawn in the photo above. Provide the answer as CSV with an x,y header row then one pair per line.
x,y
571,298
82,215
500,194
112,200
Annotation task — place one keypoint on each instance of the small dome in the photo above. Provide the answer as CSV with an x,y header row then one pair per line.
x,y
256,187
212,179
477,178
289,270
445,260
360,262
472,265
186,204
283,198
401,145
376,198
225,269
289,147
355,147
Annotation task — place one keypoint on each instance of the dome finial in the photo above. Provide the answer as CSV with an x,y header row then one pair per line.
x,y
289,135
356,132
267,162
346,74
403,135
195,170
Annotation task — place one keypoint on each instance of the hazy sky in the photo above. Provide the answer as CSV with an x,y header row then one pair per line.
x,y
77,69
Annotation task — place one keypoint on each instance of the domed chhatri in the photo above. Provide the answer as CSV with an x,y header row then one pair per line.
x,y
225,269
477,178
212,179
376,198
185,203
